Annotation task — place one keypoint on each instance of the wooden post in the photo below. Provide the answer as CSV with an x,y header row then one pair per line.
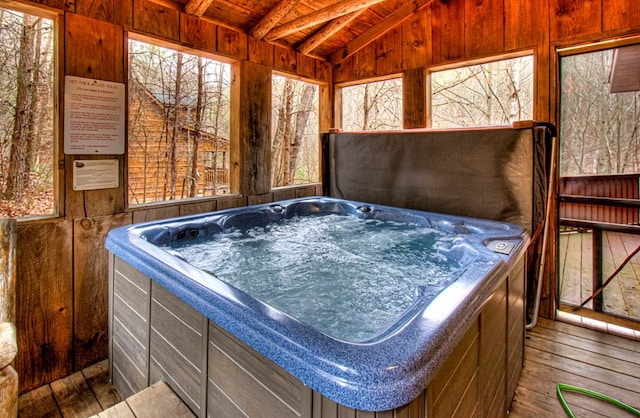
x,y
251,129
8,340
598,301
414,110
8,270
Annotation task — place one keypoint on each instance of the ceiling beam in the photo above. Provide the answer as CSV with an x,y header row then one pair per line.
x,y
328,31
382,27
197,7
273,18
319,16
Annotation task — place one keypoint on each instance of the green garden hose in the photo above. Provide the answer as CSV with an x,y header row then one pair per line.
x,y
617,403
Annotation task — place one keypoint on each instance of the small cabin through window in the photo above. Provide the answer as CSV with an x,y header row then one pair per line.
x,y
27,143
375,105
178,125
492,93
294,140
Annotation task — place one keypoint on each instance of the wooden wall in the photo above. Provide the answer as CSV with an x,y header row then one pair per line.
x,y
455,32
62,265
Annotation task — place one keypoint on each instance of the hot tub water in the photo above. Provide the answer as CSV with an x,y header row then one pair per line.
x,y
346,276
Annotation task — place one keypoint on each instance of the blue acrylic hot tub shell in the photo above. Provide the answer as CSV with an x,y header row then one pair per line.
x,y
386,372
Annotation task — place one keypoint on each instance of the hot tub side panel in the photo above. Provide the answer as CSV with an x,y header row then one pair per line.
x,y
216,374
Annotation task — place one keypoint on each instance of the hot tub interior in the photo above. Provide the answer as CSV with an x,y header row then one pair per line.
x,y
348,270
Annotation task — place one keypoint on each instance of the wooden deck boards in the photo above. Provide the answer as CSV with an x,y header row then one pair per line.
x,y
555,352
562,353
622,295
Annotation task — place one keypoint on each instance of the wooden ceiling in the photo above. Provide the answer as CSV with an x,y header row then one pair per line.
x,y
329,29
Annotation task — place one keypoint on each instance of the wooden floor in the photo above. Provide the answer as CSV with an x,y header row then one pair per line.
x,y
82,394
556,352
622,295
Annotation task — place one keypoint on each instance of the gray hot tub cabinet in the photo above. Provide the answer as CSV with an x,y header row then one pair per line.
x,y
155,336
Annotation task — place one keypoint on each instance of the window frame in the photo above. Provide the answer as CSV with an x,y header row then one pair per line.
x,y
138,37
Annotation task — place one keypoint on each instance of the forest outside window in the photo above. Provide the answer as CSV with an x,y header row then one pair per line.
x,y
27,115
375,105
294,144
178,139
492,93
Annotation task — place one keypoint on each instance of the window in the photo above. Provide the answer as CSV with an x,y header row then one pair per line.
x,y
599,129
372,106
26,115
493,93
294,145
178,125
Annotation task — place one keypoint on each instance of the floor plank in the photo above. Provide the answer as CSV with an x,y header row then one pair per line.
x,y
97,377
555,352
74,397
38,403
158,400
119,410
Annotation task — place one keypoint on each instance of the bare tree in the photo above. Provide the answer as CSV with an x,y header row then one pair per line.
x,y
18,179
372,106
599,130
294,117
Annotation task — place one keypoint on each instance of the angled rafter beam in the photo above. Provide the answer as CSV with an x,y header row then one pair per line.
x,y
320,16
273,18
374,32
328,31
197,7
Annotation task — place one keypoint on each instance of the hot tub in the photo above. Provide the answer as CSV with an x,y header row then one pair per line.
x,y
374,317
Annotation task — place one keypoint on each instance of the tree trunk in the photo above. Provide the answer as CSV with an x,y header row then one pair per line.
x,y
287,137
175,119
18,176
302,119
216,129
193,190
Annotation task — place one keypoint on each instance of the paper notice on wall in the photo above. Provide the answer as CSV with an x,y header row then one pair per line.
x,y
95,174
94,116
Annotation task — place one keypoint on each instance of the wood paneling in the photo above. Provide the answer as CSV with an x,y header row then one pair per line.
x,y
525,23
260,52
113,11
91,267
154,213
197,33
484,27
416,40
620,14
570,19
285,59
232,43
44,292
389,52
306,66
156,19
364,62
447,29
93,49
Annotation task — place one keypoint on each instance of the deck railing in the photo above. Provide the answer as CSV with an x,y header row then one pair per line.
x,y
600,203
578,192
